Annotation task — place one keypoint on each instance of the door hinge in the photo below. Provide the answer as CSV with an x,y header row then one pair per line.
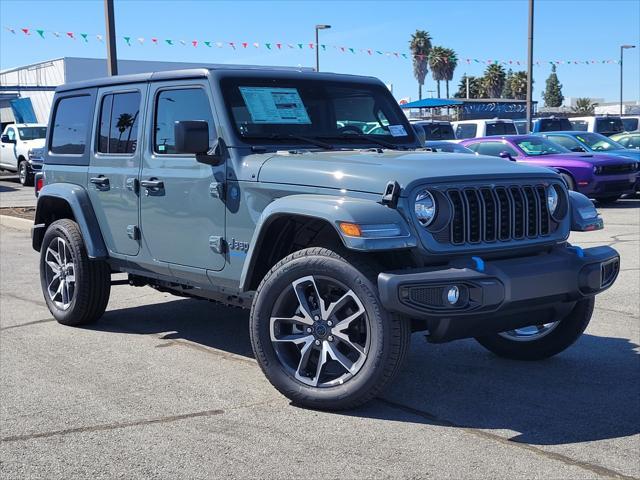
x,y
217,190
217,244
133,232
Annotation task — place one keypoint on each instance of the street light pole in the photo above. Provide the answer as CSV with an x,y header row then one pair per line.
x,y
530,69
319,27
112,57
622,49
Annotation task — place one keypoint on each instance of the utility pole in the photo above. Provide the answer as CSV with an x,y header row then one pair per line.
x,y
468,87
622,49
530,69
319,27
112,57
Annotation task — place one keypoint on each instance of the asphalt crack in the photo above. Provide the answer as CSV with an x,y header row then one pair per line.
x,y
434,420
27,324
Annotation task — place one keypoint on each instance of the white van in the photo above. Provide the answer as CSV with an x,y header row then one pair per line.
x,y
484,128
603,124
631,123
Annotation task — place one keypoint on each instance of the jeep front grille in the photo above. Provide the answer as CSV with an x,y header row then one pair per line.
x,y
501,213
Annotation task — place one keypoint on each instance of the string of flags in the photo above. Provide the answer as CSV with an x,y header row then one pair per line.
x,y
131,41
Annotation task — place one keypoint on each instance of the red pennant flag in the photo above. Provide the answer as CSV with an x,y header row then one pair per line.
x,y
244,44
311,46
194,43
369,51
279,45
154,40
70,35
25,30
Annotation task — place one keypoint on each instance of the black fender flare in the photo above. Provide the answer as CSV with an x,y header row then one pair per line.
x,y
77,199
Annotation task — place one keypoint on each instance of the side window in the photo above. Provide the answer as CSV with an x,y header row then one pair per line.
x,y
11,133
500,128
70,125
567,142
119,123
579,125
494,149
176,105
466,130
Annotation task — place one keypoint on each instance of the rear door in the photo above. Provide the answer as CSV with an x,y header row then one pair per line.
x,y
182,211
115,166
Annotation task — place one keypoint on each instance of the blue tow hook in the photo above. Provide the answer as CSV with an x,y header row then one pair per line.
x,y
479,263
578,250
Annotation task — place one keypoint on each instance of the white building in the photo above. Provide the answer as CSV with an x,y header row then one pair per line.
x,y
26,92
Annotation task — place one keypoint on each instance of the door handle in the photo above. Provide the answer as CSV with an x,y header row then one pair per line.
x,y
152,184
101,182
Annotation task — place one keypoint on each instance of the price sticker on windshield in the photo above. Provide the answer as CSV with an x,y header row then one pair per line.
x,y
397,131
275,105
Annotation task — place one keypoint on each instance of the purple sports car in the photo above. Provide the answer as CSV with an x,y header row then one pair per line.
x,y
597,175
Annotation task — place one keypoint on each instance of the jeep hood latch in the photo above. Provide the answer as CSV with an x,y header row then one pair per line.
x,y
391,194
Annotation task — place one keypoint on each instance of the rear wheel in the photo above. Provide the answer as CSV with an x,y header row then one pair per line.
x,y
25,175
75,287
538,342
320,334
568,180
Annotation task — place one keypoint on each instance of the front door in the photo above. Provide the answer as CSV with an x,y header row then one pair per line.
x,y
8,149
181,210
115,167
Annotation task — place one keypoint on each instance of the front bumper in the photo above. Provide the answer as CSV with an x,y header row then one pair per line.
x,y
609,185
492,296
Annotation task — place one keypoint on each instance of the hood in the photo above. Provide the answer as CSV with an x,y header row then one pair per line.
x,y
37,143
370,171
592,158
626,153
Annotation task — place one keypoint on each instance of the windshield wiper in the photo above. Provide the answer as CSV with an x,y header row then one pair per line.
x,y
291,136
369,138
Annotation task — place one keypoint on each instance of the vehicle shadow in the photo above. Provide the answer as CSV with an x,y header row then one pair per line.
x,y
589,392
7,188
633,202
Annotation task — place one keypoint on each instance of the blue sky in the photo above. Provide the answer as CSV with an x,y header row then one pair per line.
x,y
564,30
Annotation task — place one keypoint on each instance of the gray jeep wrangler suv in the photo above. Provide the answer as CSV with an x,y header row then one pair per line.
x,y
306,198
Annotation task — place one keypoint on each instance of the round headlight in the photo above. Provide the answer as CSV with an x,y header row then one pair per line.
x,y
552,199
425,208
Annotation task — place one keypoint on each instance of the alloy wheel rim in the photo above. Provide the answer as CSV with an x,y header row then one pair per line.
x,y
23,173
320,331
60,273
530,333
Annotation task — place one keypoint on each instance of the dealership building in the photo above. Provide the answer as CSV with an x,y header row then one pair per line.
x,y
26,93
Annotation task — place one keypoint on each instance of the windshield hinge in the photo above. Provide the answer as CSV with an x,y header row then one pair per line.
x,y
391,194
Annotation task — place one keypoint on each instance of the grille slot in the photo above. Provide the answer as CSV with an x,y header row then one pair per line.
x,y
489,214
427,296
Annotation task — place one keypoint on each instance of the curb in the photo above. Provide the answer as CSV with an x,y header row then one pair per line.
x,y
15,222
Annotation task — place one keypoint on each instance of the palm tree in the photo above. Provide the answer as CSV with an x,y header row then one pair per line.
x,y
125,121
420,46
450,67
584,105
475,87
438,64
493,80
519,85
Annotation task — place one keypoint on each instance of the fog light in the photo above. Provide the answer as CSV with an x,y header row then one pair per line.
x,y
453,295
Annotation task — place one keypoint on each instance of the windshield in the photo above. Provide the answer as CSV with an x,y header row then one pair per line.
x,y
337,112
32,133
438,131
598,142
539,146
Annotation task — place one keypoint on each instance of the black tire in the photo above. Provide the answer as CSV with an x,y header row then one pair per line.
x,y
557,340
609,199
389,335
25,175
568,180
92,278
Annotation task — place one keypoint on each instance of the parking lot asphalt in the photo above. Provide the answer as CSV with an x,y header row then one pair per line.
x,y
164,387
12,194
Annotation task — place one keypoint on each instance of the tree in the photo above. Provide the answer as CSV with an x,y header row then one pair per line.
x,y
507,92
451,64
493,80
475,87
584,105
438,64
519,85
420,46
552,94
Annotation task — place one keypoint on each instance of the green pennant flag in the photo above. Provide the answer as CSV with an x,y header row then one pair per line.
x,y
404,55
128,40
300,45
84,37
324,47
41,33
169,42
378,52
268,45
352,50
208,44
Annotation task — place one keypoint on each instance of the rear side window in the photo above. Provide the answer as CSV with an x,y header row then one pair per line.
x,y
177,105
555,125
70,124
500,128
466,130
579,125
609,126
119,123
630,124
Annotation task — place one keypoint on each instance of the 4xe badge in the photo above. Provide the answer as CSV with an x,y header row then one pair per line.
x,y
238,246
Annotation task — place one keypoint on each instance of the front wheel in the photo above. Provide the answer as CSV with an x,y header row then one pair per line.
x,y
538,342
320,334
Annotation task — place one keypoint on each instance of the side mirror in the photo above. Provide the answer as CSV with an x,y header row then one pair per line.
x,y
6,139
506,155
192,136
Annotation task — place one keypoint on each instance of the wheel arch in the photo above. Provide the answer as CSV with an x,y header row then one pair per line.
x,y
65,200
300,221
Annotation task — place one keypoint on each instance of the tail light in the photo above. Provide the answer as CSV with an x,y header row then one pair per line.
x,y
39,182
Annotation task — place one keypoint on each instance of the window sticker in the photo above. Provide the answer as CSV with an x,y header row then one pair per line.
x,y
275,105
397,131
